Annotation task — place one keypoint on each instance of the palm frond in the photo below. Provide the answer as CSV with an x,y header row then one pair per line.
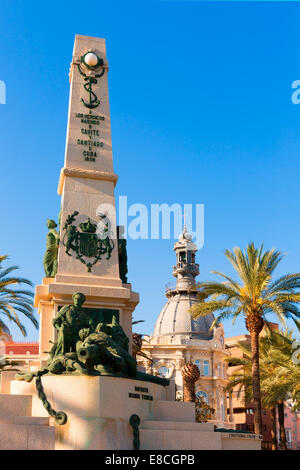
x,y
15,301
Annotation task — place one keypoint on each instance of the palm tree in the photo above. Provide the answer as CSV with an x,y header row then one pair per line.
x,y
254,296
190,374
15,301
241,382
283,381
276,381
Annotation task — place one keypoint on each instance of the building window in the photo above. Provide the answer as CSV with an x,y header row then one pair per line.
x,y
163,371
206,368
238,410
203,367
182,257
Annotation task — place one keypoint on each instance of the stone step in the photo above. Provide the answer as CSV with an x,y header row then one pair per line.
x,y
32,420
177,425
174,411
26,437
14,405
177,439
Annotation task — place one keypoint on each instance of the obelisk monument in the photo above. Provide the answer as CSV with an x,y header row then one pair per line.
x,y
89,384
88,260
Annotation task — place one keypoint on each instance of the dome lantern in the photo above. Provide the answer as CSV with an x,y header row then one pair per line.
x,y
175,317
186,268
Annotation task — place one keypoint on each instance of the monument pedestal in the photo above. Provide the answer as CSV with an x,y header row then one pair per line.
x,y
51,295
99,410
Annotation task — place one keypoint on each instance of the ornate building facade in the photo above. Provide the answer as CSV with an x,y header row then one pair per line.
x,y
178,338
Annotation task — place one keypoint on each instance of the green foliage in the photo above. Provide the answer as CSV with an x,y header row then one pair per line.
x,y
279,375
15,301
254,295
254,292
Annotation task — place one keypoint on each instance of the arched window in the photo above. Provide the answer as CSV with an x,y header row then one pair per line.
x,y
203,395
163,371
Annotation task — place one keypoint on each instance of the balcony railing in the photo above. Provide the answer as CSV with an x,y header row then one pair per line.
x,y
186,266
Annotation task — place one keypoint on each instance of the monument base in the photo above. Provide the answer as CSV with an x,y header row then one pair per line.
x,y
99,411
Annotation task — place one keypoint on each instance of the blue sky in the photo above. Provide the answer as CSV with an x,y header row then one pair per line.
x,y
201,111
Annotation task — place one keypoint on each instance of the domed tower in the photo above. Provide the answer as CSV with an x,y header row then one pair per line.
x,y
180,339
175,317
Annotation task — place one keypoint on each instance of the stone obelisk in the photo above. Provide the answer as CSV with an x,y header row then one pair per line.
x,y
88,259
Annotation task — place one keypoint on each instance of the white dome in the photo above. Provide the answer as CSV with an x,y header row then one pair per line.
x,y
175,318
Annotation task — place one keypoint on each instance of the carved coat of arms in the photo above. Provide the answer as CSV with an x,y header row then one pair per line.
x,y
85,243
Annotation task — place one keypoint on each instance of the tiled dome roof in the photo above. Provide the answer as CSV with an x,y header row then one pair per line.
x,y
175,318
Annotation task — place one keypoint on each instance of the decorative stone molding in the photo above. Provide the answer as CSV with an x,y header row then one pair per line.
x,y
80,173
200,354
219,336
179,363
147,365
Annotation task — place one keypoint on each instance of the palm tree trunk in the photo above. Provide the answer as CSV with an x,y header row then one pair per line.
x,y
280,407
273,429
189,391
254,335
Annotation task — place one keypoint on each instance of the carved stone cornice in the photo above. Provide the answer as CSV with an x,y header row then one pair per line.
x,y
81,173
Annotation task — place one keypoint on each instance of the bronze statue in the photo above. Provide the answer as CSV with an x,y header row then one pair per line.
x,y
101,353
86,346
118,334
69,321
50,258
